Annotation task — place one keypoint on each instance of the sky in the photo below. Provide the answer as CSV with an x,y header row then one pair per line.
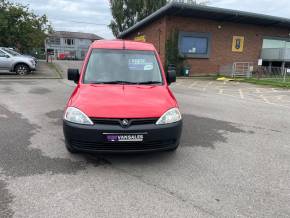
x,y
93,16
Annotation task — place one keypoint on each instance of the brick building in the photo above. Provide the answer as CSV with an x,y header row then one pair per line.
x,y
212,39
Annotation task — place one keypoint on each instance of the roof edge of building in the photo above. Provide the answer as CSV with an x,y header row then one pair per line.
x,y
163,11
146,20
64,34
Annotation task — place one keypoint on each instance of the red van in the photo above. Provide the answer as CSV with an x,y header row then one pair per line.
x,y
122,102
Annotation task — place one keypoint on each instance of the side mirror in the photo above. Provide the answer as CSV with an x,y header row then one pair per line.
x,y
73,75
7,56
171,74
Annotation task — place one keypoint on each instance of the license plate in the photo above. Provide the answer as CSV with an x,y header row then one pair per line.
x,y
124,137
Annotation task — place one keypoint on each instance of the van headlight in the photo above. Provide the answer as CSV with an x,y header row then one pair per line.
x,y
171,116
74,115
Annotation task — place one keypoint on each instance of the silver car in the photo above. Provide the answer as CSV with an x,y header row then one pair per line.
x,y
14,62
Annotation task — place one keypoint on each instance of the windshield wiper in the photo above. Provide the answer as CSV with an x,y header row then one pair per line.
x,y
114,82
127,82
149,82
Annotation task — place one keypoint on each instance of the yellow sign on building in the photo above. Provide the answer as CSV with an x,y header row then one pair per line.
x,y
140,38
238,43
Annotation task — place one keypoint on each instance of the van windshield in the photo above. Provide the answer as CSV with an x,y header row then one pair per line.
x,y
122,67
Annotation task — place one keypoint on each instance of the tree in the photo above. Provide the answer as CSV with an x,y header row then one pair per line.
x,y
126,13
20,28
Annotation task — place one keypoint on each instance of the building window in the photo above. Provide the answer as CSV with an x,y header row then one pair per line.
x,y
69,41
194,45
85,42
274,43
275,49
53,41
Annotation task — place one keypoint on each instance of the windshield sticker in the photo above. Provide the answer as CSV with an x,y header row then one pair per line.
x,y
139,64
148,66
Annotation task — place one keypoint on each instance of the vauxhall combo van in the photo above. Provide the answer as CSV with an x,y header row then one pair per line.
x,y
122,102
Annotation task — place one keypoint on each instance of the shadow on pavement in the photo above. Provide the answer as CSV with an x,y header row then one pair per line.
x,y
18,159
205,132
197,132
5,201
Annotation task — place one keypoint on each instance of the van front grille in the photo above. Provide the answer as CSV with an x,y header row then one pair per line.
x,y
152,145
118,122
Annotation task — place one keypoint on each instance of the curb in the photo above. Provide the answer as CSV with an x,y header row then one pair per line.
x,y
57,70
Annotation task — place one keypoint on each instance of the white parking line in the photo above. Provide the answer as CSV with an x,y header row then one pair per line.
x,y
258,90
270,96
265,99
220,87
233,96
241,94
206,86
192,84
279,97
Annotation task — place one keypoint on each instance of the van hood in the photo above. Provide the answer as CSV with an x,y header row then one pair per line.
x,y
122,101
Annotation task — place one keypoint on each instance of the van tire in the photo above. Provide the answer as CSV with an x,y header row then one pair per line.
x,y
22,69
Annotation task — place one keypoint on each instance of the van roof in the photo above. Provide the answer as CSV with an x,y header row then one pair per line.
x,y
123,44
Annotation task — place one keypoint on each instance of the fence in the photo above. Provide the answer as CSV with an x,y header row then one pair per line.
x,y
273,73
237,69
243,69
65,53
247,69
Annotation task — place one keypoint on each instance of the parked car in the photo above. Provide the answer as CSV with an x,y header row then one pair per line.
x,y
12,61
122,102
26,55
30,56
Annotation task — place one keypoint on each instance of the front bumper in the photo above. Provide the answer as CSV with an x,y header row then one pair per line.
x,y
32,67
93,138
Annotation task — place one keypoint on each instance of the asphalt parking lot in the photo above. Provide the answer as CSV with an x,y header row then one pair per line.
x,y
233,161
43,70
239,90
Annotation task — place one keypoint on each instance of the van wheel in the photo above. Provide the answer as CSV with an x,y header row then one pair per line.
x,y
70,148
22,69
